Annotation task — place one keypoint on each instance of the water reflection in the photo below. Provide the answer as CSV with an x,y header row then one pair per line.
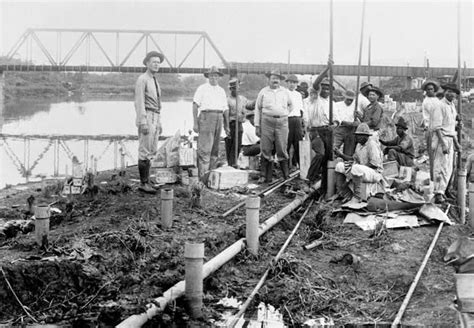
x,y
88,119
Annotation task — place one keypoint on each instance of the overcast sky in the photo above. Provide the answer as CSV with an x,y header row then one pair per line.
x,y
402,32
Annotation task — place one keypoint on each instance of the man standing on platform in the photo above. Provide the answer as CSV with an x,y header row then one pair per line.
x,y
295,120
236,110
444,141
209,104
271,125
148,107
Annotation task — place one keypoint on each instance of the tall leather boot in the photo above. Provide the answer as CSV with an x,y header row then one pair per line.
x,y
263,170
269,175
151,184
285,169
143,170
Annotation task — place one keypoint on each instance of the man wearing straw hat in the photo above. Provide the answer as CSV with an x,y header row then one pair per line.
x,y
344,119
271,125
401,148
236,110
295,120
209,104
444,141
429,105
148,107
372,114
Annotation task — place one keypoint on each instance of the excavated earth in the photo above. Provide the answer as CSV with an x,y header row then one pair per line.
x,y
108,256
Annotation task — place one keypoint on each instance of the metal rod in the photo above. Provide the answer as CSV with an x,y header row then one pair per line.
x,y
361,42
330,61
18,44
402,309
117,49
132,50
206,36
158,47
102,49
43,49
189,52
73,49
459,85
265,275
277,182
368,59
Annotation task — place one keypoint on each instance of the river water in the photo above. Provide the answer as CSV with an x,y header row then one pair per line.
x,y
75,118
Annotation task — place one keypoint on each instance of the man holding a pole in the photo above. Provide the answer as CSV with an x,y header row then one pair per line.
x,y
271,124
148,107
233,118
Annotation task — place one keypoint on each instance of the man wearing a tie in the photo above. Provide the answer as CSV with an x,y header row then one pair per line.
x,y
148,107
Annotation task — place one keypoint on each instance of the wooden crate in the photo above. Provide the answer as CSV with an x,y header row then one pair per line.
x,y
390,169
165,175
187,156
227,177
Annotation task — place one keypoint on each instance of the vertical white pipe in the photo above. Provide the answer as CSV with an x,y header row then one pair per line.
x,y
167,208
194,255
252,220
42,214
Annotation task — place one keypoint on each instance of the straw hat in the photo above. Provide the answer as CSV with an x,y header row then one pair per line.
x,y
275,72
292,78
428,82
213,70
363,129
153,54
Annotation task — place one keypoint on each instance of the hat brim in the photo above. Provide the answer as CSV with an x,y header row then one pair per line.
x,y
378,92
206,74
157,54
402,126
447,87
280,76
434,84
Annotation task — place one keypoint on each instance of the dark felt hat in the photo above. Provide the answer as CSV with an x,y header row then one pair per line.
x,y
275,72
153,54
365,84
213,70
292,78
374,89
428,82
452,87
402,123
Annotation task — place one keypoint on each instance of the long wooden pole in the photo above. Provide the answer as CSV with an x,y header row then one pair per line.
x,y
331,61
361,42
368,59
236,153
402,309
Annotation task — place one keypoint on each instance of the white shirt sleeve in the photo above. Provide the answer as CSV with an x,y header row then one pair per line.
x,y
198,95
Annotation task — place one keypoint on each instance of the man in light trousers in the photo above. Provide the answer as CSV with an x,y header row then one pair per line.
x,y
209,104
148,107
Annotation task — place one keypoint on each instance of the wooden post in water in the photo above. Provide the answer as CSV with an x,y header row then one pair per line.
x,y
252,220
167,207
194,254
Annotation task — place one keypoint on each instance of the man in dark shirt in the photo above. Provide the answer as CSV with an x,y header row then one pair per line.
x,y
148,107
401,148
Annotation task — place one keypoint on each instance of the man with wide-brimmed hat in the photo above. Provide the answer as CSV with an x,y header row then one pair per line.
x,y
295,120
344,119
401,148
233,118
372,114
148,108
429,106
209,104
271,124
366,164
444,141
318,120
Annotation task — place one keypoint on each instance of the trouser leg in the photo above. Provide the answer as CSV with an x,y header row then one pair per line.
x,y
442,164
148,143
251,150
281,138
206,125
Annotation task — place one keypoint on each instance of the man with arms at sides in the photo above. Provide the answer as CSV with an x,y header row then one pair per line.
x,y
209,104
148,107
271,125
344,119
428,108
295,120
230,119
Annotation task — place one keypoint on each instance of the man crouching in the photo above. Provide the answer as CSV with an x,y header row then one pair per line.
x,y
366,164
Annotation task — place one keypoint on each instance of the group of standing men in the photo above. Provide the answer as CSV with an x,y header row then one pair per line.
x,y
283,116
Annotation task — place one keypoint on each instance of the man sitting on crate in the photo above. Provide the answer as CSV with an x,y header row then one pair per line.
x,y
401,148
365,166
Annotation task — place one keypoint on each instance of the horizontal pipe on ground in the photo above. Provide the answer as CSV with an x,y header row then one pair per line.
x,y
159,304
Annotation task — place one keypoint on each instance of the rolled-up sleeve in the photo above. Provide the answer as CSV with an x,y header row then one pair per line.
x,y
140,102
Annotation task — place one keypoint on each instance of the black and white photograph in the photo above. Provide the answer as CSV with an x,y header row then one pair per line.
x,y
236,163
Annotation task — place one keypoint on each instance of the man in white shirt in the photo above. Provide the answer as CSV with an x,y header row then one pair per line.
x,y
250,140
362,100
444,141
295,122
428,107
344,119
209,104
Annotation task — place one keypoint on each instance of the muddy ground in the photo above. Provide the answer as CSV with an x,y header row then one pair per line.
x,y
108,256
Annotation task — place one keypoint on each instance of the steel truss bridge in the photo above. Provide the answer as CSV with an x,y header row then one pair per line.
x,y
117,55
